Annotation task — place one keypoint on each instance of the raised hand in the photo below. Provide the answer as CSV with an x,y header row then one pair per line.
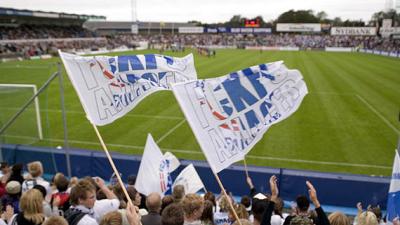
x,y
274,188
132,214
313,194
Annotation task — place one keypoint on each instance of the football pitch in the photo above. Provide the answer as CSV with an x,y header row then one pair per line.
x,y
348,122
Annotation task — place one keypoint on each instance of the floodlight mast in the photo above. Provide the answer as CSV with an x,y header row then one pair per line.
x,y
134,12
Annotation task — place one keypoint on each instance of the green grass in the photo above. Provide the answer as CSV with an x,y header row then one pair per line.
x,y
347,123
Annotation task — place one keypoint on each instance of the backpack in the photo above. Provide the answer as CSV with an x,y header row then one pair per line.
x,y
301,220
73,216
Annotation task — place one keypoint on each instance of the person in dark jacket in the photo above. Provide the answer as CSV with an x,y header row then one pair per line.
x,y
153,203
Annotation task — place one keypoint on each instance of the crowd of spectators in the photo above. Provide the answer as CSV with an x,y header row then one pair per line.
x,y
31,200
26,41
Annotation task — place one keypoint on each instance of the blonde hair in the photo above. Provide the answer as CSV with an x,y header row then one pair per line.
x,y
31,204
240,211
35,169
367,218
55,220
191,203
224,204
112,218
338,218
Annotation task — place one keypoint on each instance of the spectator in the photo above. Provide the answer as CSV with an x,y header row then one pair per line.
x,y
136,198
258,208
240,211
301,209
278,218
338,218
178,193
207,218
47,209
367,218
61,183
55,220
246,202
172,215
153,203
31,209
166,201
221,216
126,216
211,197
4,169
36,171
16,173
112,218
12,196
85,208
193,209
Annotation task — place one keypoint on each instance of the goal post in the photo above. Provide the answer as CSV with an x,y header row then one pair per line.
x,y
9,87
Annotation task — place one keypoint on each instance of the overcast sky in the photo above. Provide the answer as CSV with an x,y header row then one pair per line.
x,y
208,11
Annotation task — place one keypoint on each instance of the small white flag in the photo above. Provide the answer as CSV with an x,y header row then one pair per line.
x,y
189,179
154,170
172,161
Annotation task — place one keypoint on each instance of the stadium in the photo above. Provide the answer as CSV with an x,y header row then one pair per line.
x,y
342,137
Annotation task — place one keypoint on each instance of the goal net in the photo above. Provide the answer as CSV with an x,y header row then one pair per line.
x,y
27,127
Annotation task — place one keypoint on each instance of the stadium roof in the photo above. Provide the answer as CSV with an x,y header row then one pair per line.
x,y
52,15
104,25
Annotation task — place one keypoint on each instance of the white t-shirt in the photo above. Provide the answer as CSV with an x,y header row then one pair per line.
x,y
104,206
100,208
221,218
28,184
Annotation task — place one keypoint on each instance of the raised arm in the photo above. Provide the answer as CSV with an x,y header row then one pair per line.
x,y
266,220
322,218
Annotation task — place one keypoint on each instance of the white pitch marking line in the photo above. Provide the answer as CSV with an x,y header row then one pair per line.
x,y
200,153
170,131
378,114
328,93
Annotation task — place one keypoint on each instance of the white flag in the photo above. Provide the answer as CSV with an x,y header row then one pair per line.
x,y
154,170
190,179
172,161
393,204
110,86
230,114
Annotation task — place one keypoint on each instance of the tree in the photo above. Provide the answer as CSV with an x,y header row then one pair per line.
x,y
300,16
322,16
337,21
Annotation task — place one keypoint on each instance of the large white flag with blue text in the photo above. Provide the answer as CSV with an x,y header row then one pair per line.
x,y
110,86
393,204
154,170
230,114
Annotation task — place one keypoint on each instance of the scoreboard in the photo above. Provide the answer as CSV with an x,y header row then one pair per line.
x,y
252,23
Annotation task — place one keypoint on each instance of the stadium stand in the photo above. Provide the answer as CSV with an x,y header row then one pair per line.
x,y
26,34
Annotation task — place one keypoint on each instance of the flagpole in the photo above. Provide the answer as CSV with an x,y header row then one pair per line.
x,y
112,164
228,198
245,166
205,190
